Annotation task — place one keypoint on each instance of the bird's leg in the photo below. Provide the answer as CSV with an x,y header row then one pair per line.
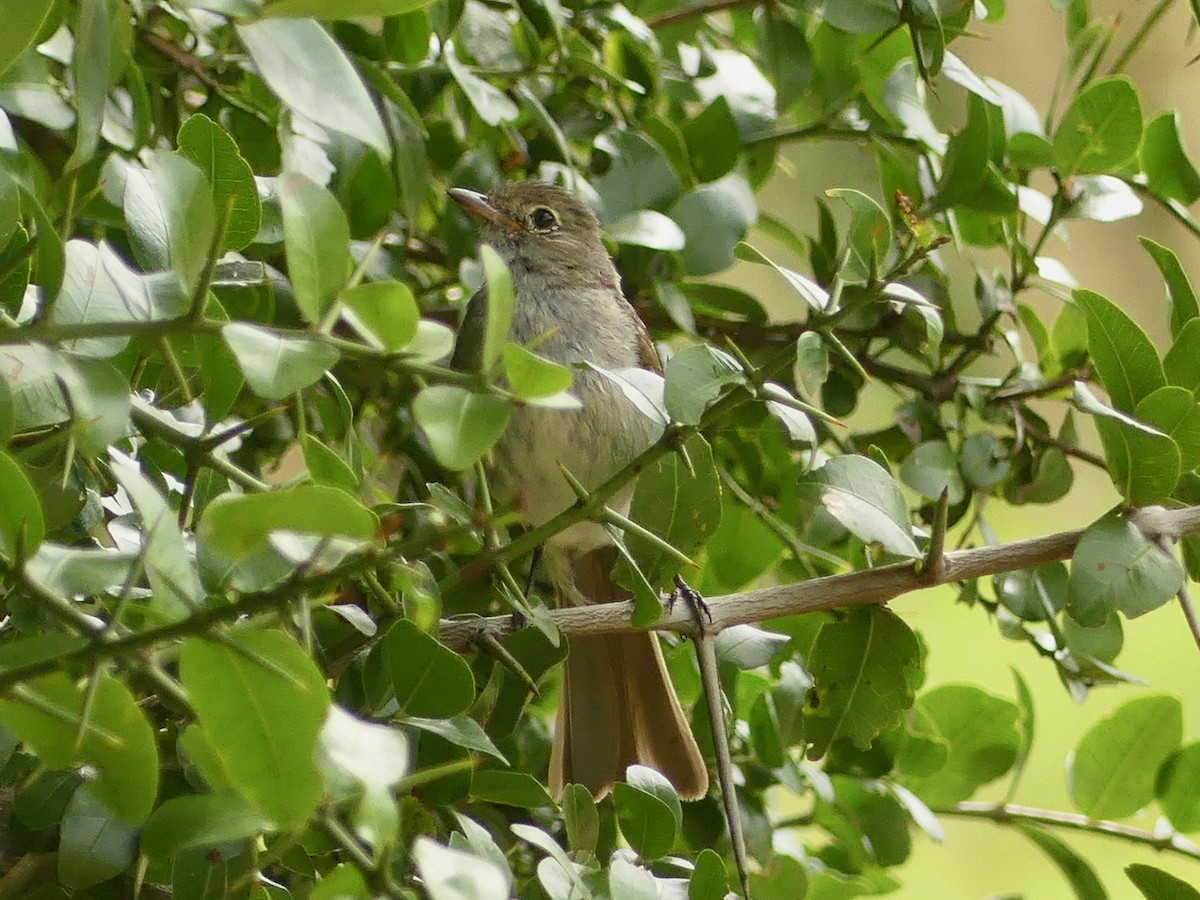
x,y
710,678
695,601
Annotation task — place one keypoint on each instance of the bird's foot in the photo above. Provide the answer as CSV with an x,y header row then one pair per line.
x,y
695,602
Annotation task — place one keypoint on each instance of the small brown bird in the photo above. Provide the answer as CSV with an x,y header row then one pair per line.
x,y
618,705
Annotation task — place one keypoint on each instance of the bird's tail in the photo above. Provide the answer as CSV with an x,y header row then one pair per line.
x,y
618,706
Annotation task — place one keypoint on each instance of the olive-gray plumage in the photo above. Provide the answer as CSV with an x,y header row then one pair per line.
x,y
618,705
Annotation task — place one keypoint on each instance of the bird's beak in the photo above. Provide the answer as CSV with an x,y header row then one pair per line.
x,y
479,206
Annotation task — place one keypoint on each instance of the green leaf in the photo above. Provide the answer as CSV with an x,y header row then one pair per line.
x,y
428,678
22,24
695,377
330,10
326,467
1182,362
262,702
712,140
1113,769
1168,169
985,460
1116,567
1124,356
174,583
1155,884
479,841
22,525
709,879
1145,467
1102,198
343,882
509,788
533,377
311,74
214,152
1101,129
865,499
631,882
489,102
981,734
864,668
715,218
93,844
1175,412
362,762
89,294
640,177
116,740
679,504
100,402
810,292
1075,868
932,468
276,366
646,820
202,820
448,874
1180,295
1178,788
317,240
460,425
384,313
462,731
580,818
90,68
500,300
747,646
169,213
869,238
647,228
236,531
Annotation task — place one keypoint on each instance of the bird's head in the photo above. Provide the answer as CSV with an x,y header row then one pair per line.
x,y
533,224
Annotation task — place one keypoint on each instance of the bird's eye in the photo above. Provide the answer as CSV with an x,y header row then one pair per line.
x,y
543,219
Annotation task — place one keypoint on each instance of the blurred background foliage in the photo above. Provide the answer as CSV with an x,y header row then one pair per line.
x,y
239,481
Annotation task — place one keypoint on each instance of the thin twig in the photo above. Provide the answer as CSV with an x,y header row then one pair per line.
x,y
683,14
1012,812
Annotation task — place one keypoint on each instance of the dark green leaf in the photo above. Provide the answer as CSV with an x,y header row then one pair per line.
x,y
695,377
1175,412
931,469
1180,295
90,67
640,177
647,822
1155,884
22,525
22,24
93,844
580,817
709,879
460,730
864,669
864,498
1116,567
712,140
1182,362
1165,162
869,238
1114,767
200,821
428,678
216,154
509,788
1075,868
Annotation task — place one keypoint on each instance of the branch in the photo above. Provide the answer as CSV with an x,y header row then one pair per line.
x,y
1010,812
871,586
675,16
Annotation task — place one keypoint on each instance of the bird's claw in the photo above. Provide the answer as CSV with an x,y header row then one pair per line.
x,y
689,595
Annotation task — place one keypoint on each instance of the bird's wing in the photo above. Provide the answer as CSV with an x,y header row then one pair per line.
x,y
647,355
468,348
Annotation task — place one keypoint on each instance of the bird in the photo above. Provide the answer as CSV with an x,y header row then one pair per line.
x,y
617,704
